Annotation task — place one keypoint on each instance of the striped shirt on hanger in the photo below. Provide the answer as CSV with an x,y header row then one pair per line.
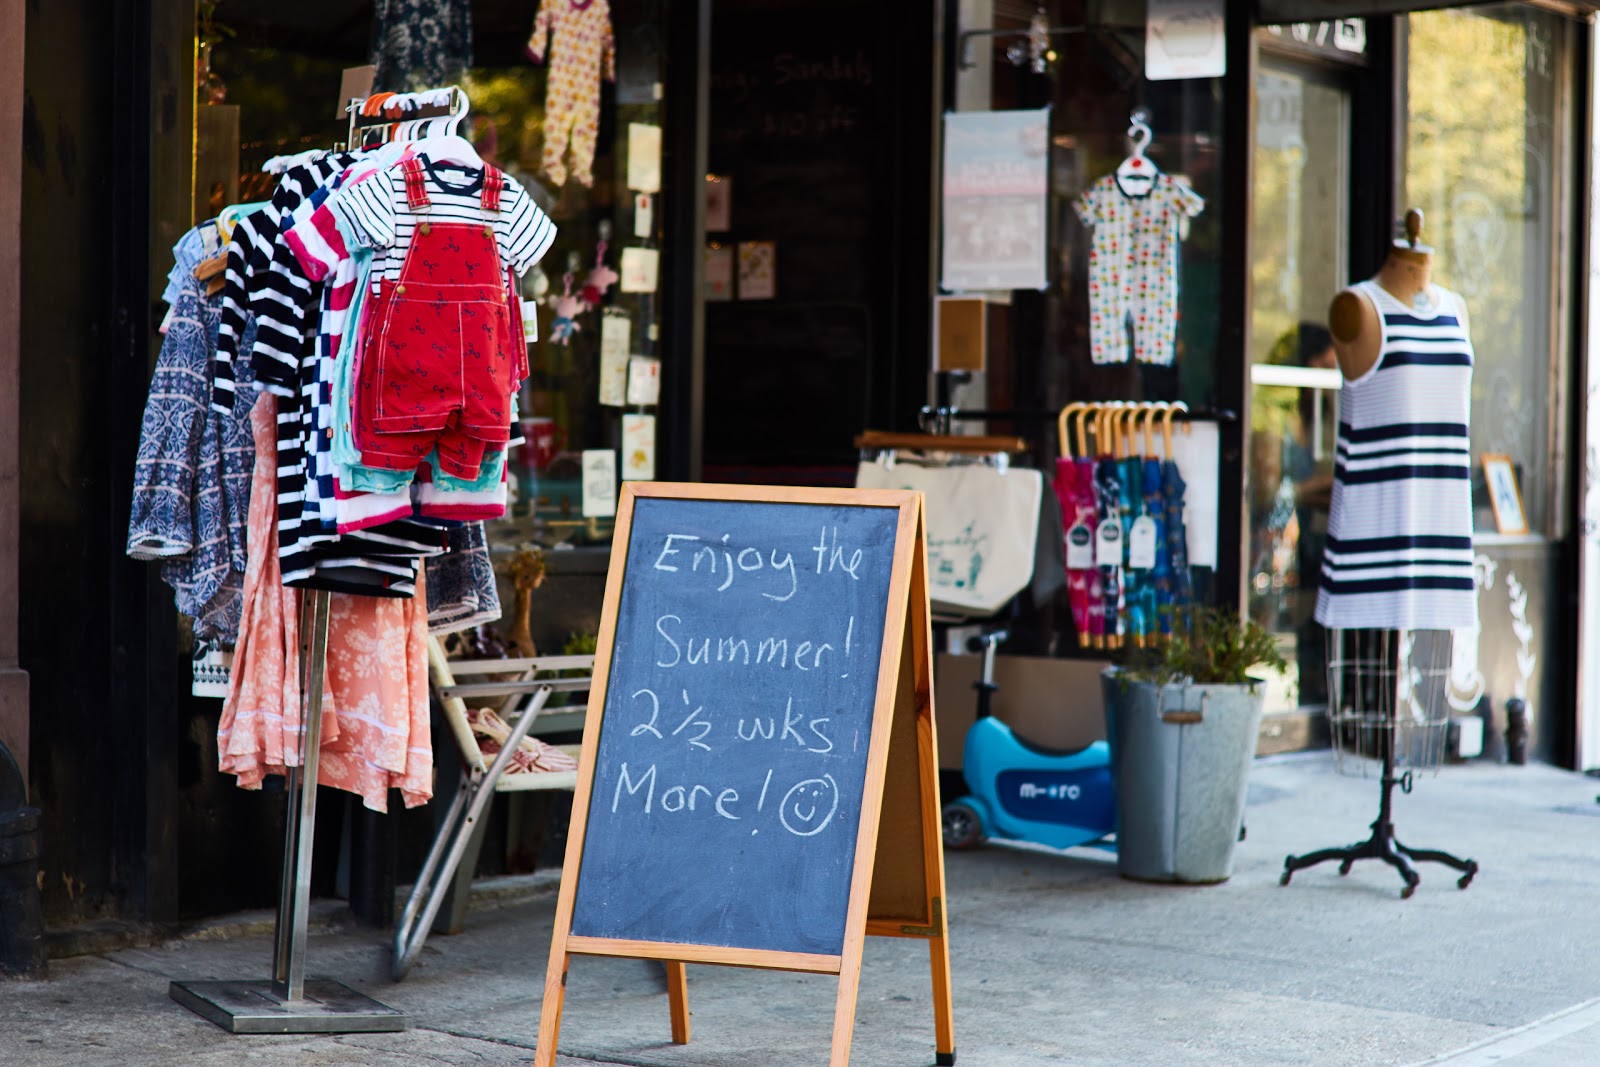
x,y
377,212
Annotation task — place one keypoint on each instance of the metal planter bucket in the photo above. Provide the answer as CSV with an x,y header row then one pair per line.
x,y
1180,757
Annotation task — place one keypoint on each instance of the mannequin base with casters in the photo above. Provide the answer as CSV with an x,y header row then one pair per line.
x,y
1383,846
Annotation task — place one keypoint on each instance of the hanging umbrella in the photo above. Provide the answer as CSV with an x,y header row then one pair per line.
x,y
1074,484
1108,535
1172,489
1135,580
1084,461
1161,573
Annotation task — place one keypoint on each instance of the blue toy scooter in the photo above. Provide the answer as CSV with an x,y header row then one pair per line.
x,y
1026,792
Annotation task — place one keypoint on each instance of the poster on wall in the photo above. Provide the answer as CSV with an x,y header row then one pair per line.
x,y
996,181
1183,39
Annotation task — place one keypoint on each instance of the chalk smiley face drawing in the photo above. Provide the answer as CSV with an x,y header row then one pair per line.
x,y
809,806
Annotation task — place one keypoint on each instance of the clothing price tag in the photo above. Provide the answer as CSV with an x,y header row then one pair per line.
x,y
1108,543
616,332
530,321
1080,548
1142,543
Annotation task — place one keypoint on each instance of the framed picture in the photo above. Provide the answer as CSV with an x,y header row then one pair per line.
x,y
1506,499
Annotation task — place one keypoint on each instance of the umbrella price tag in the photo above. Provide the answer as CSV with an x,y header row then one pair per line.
x,y
1080,547
1142,543
1108,543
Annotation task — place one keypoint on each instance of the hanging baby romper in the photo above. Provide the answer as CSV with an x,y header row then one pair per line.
x,y
580,42
1133,266
440,368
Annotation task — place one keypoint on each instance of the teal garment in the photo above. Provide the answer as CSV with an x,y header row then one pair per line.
x,y
1136,580
1161,576
346,456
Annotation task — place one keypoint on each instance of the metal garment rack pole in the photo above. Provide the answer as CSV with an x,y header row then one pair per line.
x,y
288,1003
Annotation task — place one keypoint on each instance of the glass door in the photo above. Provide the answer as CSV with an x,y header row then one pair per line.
x,y
1299,204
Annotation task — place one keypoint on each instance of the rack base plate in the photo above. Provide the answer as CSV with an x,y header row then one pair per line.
x,y
255,1007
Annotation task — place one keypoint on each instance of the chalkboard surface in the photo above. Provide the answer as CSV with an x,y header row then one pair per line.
x,y
732,752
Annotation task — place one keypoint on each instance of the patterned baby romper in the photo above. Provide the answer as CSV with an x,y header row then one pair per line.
x,y
1133,266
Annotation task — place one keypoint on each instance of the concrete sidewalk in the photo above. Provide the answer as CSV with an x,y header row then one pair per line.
x,y
1056,960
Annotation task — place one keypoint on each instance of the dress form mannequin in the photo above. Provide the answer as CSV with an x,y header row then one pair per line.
x,y
1352,319
1397,574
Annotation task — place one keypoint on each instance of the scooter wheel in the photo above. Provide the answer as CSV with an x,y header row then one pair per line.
x,y
962,826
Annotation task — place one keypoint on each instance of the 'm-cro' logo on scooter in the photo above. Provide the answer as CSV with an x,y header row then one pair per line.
x,y
1030,791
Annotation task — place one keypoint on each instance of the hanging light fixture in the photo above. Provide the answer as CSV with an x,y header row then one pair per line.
x,y
1039,53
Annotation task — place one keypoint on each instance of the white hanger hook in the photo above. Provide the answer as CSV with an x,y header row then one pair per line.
x,y
1139,130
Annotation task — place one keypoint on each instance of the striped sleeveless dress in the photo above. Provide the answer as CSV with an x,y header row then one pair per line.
x,y
1399,554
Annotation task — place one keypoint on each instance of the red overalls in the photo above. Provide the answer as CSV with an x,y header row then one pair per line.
x,y
439,361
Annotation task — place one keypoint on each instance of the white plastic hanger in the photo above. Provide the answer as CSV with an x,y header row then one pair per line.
x,y
1137,174
283,164
445,146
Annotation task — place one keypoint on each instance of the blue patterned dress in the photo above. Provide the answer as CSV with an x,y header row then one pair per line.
x,y
191,482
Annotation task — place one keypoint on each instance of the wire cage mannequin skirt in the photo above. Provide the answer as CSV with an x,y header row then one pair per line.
x,y
1387,698
1390,719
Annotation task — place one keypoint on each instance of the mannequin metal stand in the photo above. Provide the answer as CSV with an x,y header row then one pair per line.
x,y
1382,844
1381,685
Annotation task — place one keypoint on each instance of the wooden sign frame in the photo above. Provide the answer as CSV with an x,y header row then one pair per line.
x,y
900,811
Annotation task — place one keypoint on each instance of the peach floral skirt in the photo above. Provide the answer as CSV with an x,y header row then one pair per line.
x,y
376,733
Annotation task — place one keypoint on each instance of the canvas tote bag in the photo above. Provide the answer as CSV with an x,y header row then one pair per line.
x,y
982,524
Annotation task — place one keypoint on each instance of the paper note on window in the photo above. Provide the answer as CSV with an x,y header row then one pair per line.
x,y
639,267
638,448
644,157
719,203
719,272
599,483
644,381
758,270
616,337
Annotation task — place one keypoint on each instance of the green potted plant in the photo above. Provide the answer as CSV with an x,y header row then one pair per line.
x,y
1182,719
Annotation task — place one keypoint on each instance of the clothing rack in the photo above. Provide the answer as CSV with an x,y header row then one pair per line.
x,y
392,109
938,419
288,1003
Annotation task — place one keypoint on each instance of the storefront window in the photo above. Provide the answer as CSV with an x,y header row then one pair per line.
x,y
1093,90
1122,300
272,93
1488,122
1299,206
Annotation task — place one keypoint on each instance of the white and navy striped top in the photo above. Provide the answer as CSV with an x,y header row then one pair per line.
x,y
1399,553
379,213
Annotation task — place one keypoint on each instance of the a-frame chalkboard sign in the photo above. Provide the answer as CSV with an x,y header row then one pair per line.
x,y
758,784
